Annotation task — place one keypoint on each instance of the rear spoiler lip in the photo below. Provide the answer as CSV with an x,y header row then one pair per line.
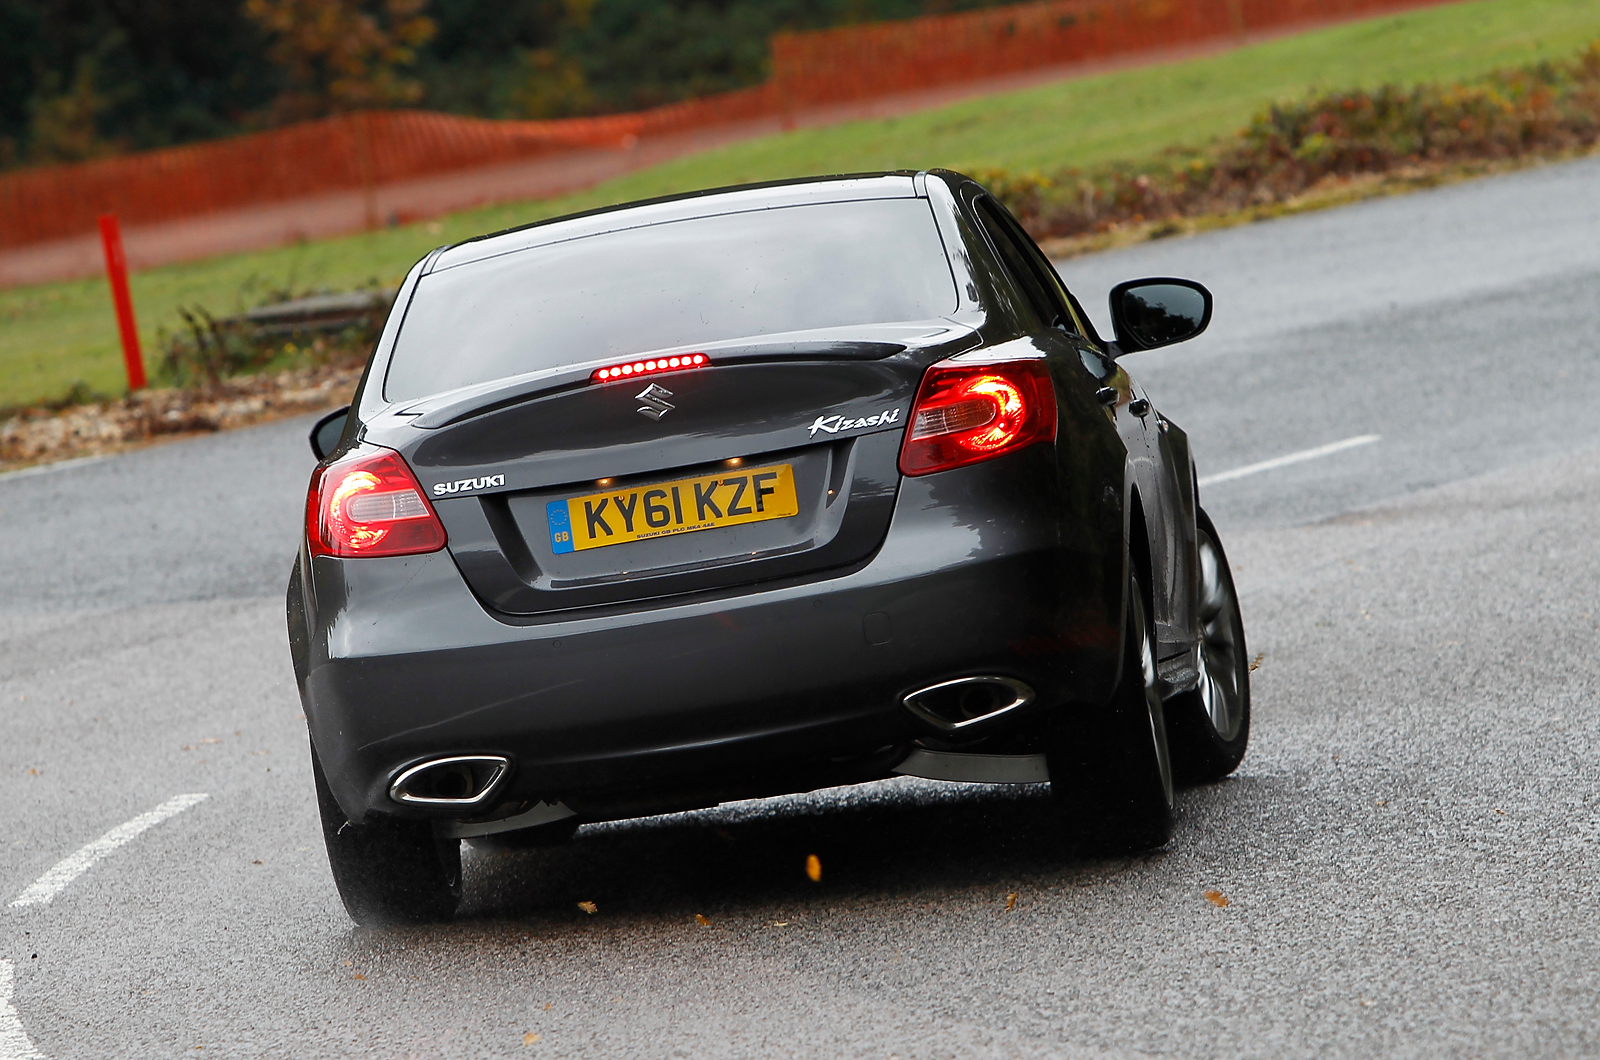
x,y
454,406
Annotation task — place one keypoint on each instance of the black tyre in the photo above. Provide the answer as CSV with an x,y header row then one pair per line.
x,y
388,870
1110,775
1209,727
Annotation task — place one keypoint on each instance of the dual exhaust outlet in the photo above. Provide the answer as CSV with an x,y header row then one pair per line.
x,y
960,705
963,702
460,781
466,782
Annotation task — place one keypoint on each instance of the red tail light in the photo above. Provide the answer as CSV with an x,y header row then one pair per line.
x,y
370,504
967,413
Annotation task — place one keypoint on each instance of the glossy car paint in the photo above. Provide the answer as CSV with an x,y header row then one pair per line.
x,y
768,667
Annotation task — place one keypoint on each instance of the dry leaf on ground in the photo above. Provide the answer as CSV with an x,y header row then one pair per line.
x,y
589,907
1217,898
814,868
701,919
530,1038
1011,901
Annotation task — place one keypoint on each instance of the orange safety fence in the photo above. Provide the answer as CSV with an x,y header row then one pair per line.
x,y
813,68
859,62
345,153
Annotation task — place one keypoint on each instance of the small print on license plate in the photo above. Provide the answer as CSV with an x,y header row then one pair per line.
x,y
749,495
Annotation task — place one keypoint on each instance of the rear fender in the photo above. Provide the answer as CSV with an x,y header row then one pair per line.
x,y
1136,534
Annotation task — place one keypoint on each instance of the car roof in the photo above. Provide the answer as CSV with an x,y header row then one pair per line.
x,y
736,199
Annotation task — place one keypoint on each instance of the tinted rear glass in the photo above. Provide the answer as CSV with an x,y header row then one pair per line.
x,y
682,283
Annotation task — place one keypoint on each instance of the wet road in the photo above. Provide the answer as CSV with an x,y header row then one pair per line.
x,y
1407,856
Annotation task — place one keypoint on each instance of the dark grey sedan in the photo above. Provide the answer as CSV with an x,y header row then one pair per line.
x,y
744,493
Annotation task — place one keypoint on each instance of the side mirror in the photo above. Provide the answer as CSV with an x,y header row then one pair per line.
x,y
1158,312
327,432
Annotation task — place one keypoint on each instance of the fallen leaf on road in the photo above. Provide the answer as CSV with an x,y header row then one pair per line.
x,y
1255,664
589,907
702,920
1217,898
258,861
814,868
1011,901
359,976
529,1038
780,923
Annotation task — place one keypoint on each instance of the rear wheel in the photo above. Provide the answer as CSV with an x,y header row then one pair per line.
x,y
1110,775
388,870
1209,726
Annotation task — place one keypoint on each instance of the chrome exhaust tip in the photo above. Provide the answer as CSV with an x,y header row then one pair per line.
x,y
959,704
461,781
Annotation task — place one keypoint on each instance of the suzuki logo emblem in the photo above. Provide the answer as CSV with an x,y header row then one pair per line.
x,y
655,401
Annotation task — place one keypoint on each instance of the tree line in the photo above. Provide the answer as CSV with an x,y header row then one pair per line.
x,y
81,79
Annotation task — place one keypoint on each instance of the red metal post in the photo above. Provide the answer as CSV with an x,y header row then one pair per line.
x,y
117,273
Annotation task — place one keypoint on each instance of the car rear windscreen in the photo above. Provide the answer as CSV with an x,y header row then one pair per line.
x,y
679,283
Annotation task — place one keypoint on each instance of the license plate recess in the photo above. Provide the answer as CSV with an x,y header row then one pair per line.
x,y
730,497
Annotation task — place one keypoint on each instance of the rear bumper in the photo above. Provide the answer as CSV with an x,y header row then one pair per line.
x,y
757,690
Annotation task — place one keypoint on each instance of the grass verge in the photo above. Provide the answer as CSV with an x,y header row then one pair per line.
x,y
1547,110
43,435
56,336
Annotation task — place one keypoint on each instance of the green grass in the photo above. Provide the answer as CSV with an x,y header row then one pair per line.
x,y
55,334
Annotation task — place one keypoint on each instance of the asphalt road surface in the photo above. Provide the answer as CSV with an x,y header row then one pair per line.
x,y
1404,865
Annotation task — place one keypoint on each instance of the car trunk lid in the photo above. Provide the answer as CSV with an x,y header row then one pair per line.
x,y
774,460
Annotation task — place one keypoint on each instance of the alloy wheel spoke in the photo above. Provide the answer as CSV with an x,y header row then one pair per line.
x,y
1219,655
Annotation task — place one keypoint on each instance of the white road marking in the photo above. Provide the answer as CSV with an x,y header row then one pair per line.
x,y
1292,458
52,883
14,1041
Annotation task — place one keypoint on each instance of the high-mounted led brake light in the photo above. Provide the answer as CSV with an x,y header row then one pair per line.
x,y
650,366
965,413
370,504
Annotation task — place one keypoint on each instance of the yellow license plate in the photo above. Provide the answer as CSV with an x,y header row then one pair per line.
x,y
728,498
